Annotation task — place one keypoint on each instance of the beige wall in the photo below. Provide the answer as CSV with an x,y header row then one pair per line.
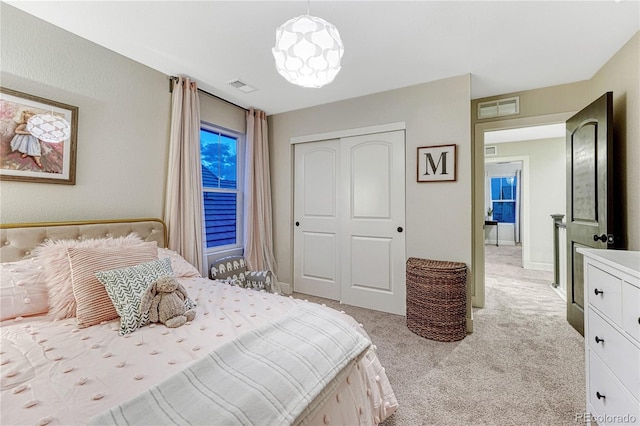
x,y
554,104
122,127
222,114
621,75
438,215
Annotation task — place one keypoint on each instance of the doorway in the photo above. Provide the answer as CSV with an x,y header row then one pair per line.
x,y
542,188
525,174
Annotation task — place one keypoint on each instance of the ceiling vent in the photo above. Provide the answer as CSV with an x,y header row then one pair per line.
x,y
241,86
498,108
490,150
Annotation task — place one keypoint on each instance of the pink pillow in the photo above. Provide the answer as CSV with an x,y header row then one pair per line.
x,y
93,303
181,268
54,259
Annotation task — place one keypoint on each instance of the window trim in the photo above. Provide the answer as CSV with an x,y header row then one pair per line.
x,y
239,191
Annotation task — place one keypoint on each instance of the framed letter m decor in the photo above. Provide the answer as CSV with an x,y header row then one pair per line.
x,y
437,163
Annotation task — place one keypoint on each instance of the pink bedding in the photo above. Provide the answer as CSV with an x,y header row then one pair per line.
x,y
55,373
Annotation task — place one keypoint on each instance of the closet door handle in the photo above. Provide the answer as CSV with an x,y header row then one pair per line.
x,y
297,223
400,229
598,340
597,292
600,396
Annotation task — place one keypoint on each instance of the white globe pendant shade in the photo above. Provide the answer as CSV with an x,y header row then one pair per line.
x,y
308,51
49,128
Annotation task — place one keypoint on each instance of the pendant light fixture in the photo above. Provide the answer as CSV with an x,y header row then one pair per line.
x,y
49,128
308,51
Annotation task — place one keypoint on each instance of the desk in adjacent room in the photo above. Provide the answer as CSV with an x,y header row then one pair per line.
x,y
494,223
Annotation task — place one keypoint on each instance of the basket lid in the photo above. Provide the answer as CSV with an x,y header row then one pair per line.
x,y
435,264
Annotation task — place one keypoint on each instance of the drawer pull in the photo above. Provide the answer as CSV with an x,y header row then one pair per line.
x,y
598,340
600,396
597,292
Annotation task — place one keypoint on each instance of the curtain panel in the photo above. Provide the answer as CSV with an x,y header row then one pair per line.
x,y
183,204
258,235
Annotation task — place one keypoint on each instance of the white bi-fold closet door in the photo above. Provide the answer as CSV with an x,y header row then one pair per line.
x,y
349,213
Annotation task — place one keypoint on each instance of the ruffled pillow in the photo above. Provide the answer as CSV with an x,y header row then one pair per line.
x,y
53,257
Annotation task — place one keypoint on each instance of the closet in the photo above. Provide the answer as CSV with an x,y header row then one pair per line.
x,y
349,219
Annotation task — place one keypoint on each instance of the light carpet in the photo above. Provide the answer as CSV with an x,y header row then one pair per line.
x,y
523,364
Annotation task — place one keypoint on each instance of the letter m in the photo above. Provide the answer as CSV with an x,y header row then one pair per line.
x,y
431,165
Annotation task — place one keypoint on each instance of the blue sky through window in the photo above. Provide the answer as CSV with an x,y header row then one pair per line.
x,y
218,154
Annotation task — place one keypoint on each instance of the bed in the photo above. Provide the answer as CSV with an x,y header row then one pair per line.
x,y
248,357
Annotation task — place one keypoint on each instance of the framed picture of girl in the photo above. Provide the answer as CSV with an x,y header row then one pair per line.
x,y
38,139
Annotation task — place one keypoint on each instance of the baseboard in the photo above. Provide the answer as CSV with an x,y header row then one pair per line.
x,y
500,243
538,266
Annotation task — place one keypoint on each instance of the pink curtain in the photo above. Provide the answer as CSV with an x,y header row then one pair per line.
x,y
183,203
258,244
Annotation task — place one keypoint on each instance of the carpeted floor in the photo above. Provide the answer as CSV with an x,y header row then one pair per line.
x,y
524,364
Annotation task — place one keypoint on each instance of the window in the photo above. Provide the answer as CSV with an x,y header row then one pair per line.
x,y
503,199
220,157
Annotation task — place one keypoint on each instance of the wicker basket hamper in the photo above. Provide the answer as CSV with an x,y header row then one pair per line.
x,y
437,299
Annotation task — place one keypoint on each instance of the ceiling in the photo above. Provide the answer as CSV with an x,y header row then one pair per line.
x,y
505,46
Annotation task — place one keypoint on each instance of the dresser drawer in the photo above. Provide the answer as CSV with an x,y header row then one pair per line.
x,y
615,405
604,293
615,350
631,310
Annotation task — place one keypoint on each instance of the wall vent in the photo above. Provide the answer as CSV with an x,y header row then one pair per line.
x,y
499,107
241,86
490,150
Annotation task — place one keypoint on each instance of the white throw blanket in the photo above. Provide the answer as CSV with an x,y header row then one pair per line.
x,y
273,375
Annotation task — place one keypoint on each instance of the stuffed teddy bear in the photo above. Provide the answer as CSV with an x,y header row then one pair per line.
x,y
165,302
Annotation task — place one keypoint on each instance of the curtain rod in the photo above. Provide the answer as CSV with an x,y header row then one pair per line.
x,y
173,78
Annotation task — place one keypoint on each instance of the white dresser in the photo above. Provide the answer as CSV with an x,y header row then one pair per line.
x,y
612,335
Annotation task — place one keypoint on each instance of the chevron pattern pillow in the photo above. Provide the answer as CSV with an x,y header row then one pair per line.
x,y
126,287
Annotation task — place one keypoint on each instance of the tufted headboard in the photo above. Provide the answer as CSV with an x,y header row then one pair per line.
x,y
17,240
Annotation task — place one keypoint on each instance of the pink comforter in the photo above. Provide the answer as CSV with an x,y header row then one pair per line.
x,y
55,373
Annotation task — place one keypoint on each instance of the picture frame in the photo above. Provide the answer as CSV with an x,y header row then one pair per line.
x,y
24,157
437,163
